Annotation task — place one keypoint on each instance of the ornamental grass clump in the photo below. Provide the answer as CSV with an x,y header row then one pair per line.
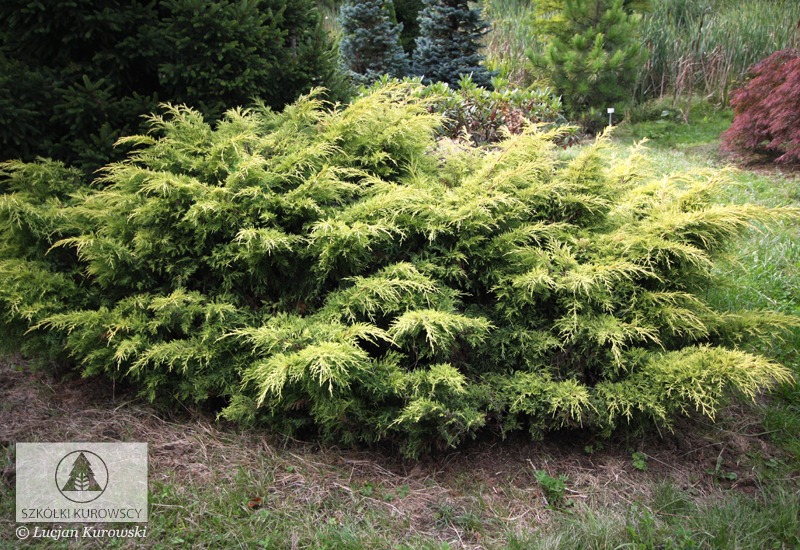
x,y
336,270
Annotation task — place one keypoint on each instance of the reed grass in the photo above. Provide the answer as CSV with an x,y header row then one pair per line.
x,y
706,46
509,38
329,10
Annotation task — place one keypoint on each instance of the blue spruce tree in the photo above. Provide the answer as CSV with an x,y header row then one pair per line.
x,y
370,44
449,43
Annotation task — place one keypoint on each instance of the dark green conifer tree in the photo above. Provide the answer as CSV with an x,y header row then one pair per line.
x,y
592,55
407,12
448,46
370,45
74,76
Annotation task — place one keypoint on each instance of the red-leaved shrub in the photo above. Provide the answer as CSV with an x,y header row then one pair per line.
x,y
767,110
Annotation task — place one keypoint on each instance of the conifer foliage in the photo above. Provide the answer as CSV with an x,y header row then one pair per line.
x,y
335,270
370,46
767,110
407,12
592,55
448,46
75,76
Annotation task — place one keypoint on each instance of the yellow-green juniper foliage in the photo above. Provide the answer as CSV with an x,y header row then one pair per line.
x,y
336,269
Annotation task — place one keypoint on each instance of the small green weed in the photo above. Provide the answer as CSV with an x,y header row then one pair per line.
x,y
639,461
720,473
592,448
367,489
554,488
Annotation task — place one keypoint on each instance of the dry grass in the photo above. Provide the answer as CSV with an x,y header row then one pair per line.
x,y
474,497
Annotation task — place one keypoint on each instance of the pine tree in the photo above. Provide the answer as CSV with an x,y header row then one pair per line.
x,y
592,55
449,43
370,45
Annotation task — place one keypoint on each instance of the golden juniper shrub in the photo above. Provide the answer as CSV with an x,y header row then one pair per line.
x,y
335,268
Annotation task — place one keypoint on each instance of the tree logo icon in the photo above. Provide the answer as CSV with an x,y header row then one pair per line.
x,y
81,476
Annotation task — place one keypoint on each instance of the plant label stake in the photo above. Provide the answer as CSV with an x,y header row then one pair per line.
x,y
610,112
